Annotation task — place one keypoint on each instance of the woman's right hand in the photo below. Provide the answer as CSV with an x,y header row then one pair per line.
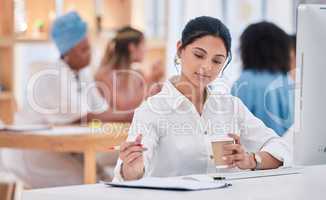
x,y
131,154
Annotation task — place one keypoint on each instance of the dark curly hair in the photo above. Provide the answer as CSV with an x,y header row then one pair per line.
x,y
265,47
203,26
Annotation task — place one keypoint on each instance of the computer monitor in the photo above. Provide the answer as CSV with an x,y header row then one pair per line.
x,y
310,95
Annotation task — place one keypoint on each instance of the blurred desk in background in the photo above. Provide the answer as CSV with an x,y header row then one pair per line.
x,y
70,139
7,107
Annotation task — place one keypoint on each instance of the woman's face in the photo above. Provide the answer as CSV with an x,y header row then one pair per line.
x,y
202,60
80,56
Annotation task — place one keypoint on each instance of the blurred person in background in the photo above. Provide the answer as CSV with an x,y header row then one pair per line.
x,y
68,94
65,92
123,86
265,85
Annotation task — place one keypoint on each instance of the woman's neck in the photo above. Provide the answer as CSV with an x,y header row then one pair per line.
x,y
195,94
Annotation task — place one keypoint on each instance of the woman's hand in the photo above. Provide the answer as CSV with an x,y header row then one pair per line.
x,y
236,156
131,154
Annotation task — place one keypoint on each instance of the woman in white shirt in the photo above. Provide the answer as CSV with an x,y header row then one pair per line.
x,y
171,132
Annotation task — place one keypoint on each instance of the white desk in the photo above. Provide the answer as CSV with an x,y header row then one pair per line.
x,y
311,184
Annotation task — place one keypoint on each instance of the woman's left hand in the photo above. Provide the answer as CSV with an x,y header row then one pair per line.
x,y
239,157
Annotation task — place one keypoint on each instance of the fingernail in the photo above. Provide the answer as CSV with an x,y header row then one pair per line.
x,y
223,158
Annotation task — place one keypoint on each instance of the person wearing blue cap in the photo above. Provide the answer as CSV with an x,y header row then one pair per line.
x,y
69,32
71,95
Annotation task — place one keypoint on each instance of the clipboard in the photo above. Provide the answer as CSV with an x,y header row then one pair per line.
x,y
176,184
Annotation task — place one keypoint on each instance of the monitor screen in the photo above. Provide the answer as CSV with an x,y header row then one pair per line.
x,y
310,95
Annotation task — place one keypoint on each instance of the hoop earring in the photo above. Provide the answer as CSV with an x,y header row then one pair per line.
x,y
176,64
176,60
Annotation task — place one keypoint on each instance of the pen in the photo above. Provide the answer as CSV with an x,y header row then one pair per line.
x,y
218,178
117,148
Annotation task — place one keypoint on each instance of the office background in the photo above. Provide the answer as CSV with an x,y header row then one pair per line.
x,y
161,20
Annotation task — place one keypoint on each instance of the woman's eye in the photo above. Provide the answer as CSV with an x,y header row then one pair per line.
x,y
199,56
217,62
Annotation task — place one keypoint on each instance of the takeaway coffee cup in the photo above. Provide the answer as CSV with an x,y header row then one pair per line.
x,y
217,148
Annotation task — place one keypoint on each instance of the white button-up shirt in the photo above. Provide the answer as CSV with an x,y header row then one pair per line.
x,y
179,139
58,95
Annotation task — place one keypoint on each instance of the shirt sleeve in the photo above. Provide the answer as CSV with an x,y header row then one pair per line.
x,y
143,124
255,136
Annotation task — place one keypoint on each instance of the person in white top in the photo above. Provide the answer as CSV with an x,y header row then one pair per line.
x,y
63,93
171,131
58,95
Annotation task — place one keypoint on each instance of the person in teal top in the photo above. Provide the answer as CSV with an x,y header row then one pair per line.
x,y
265,86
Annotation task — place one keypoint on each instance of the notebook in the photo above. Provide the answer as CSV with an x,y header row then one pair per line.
x,y
70,130
170,184
25,127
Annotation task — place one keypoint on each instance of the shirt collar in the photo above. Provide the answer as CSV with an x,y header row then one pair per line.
x,y
174,97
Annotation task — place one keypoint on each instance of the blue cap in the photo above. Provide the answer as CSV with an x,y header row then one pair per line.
x,y
67,31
